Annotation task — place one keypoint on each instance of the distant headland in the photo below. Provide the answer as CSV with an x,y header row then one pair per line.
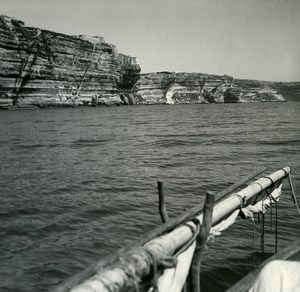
x,y
40,68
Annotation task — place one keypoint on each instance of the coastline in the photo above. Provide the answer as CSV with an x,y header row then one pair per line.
x,y
46,69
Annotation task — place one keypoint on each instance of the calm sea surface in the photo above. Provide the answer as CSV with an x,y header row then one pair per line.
x,y
77,184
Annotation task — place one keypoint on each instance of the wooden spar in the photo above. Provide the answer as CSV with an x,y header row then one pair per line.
x,y
163,246
233,202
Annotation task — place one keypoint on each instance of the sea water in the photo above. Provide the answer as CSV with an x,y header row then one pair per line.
x,y
76,184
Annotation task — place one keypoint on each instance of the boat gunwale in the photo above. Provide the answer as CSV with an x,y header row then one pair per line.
x,y
247,282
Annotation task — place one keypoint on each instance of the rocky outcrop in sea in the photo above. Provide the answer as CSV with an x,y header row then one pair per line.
x,y
45,68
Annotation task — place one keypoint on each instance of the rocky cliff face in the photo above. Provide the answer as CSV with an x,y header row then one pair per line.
x,y
289,90
44,68
172,88
244,90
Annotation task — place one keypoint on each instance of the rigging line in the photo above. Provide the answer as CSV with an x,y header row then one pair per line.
x,y
263,237
256,201
191,241
253,241
271,214
262,232
272,199
276,225
293,193
271,206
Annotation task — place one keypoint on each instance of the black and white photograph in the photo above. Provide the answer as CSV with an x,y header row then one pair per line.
x,y
149,145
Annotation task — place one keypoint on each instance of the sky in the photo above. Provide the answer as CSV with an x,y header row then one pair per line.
x,y
248,39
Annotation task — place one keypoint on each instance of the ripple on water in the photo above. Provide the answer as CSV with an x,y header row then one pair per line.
x,y
75,188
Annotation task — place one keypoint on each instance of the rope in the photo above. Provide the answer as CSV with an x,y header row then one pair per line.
x,y
253,242
276,226
256,199
243,200
271,198
261,186
193,238
285,172
272,182
262,240
154,272
293,193
262,230
271,220
171,262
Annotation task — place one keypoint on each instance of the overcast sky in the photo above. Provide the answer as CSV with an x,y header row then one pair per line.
x,y
255,39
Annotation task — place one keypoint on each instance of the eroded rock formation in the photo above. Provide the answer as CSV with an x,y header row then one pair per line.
x,y
44,68
253,91
173,88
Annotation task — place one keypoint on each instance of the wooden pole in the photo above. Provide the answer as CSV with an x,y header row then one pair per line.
x,y
162,207
201,240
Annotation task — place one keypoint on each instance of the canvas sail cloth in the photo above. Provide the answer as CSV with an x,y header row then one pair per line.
x,y
278,276
173,279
